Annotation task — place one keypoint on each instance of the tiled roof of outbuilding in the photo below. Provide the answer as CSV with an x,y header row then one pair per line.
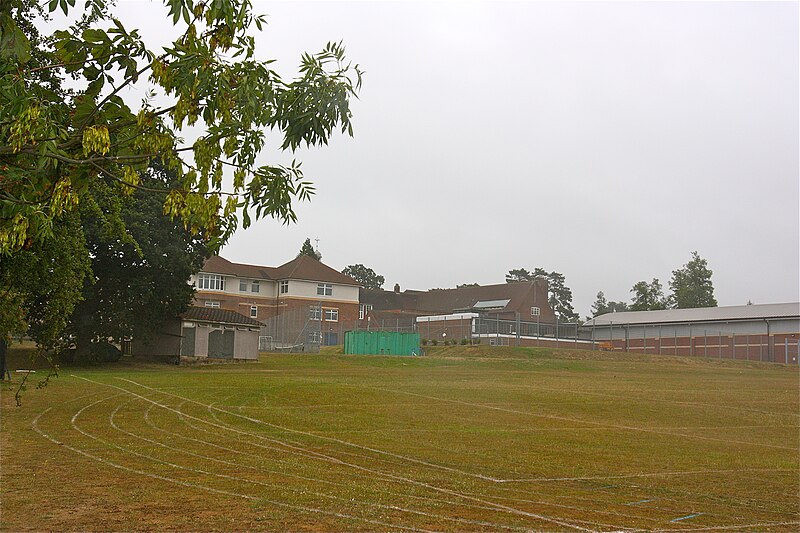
x,y
220,316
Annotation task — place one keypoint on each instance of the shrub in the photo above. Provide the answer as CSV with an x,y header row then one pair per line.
x,y
434,342
464,342
424,342
476,341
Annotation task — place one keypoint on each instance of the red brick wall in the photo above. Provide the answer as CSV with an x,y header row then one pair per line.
x,y
771,348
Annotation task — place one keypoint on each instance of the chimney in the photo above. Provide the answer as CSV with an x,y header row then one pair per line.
x,y
397,288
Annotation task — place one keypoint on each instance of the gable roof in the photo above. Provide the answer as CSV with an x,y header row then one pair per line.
x,y
700,314
221,316
219,265
302,268
307,268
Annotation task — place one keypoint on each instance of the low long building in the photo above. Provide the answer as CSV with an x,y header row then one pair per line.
x,y
764,332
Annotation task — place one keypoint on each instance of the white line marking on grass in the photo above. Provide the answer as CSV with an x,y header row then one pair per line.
x,y
687,517
375,472
245,480
324,437
646,474
427,499
129,452
568,419
734,526
659,400
35,426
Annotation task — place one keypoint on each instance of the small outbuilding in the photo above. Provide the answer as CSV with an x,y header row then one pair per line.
x,y
205,332
381,343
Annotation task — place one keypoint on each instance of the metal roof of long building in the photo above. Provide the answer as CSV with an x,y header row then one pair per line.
x,y
700,314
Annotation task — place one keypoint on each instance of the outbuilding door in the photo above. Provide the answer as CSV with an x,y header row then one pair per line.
x,y
187,342
220,343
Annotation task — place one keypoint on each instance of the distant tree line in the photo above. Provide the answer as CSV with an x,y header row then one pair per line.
x,y
691,287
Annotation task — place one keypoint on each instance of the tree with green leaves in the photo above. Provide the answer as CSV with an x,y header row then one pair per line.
x,y
691,285
141,260
559,294
55,142
41,285
648,296
602,306
462,285
308,249
365,276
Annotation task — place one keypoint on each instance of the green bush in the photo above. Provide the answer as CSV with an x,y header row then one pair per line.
x,y
434,342
424,342
464,342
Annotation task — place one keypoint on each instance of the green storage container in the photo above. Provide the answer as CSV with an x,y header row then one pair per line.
x,y
381,343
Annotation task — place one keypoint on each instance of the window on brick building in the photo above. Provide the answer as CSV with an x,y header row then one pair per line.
x,y
253,311
314,313
331,315
284,287
324,289
211,282
242,285
363,309
212,303
255,286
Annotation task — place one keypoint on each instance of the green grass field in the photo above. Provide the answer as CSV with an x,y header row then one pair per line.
x,y
463,439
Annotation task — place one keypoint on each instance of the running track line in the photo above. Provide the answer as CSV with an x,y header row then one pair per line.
x,y
567,419
35,426
245,480
375,472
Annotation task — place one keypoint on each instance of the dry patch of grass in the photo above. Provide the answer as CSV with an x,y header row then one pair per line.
x,y
466,438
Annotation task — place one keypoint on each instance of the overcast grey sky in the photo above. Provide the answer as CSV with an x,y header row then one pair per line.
x,y
606,141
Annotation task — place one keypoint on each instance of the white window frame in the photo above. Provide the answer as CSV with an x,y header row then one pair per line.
x,y
242,285
363,309
255,286
324,289
331,314
283,287
535,311
314,337
213,304
210,282
253,311
314,312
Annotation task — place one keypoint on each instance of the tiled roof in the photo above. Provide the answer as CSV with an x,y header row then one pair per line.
x,y
220,316
219,265
702,314
307,268
465,298
303,268
445,301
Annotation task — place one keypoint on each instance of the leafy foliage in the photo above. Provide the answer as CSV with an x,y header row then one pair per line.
x,y
601,306
55,143
141,261
41,285
559,294
364,276
648,296
308,249
691,285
